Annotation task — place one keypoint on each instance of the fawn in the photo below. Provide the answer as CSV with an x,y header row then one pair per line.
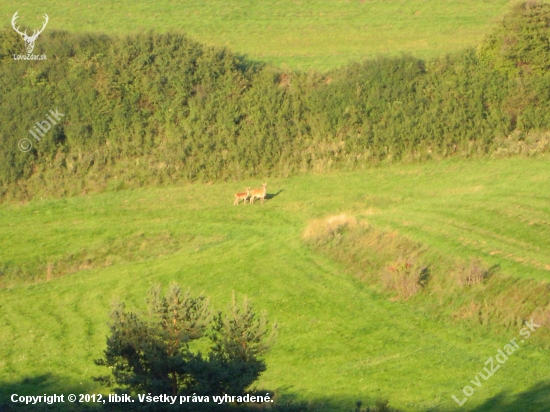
x,y
239,196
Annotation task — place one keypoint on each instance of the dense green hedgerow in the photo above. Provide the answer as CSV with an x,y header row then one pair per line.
x,y
154,108
521,43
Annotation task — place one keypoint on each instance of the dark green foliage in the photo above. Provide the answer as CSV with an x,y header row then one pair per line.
x,y
152,352
156,108
519,48
149,352
403,108
521,44
381,406
240,338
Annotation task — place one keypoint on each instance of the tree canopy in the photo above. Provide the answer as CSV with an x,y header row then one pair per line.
x,y
154,351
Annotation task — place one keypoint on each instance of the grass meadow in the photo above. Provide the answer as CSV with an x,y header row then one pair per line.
x,y
297,34
339,340
63,261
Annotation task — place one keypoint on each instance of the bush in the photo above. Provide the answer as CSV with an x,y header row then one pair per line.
x,y
520,45
151,352
473,274
405,277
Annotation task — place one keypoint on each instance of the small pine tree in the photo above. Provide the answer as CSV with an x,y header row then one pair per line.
x,y
150,352
240,338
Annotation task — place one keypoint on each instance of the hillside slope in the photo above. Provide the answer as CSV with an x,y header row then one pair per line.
x,y
339,340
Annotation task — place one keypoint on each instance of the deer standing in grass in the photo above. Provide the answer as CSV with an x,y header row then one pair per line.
x,y
239,196
258,193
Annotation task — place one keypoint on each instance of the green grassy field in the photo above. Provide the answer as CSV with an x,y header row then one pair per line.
x,y
63,261
302,34
339,341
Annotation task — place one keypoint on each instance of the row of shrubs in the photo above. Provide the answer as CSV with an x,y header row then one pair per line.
x,y
154,108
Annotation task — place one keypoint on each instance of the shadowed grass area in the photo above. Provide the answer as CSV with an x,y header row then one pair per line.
x,y
338,340
301,34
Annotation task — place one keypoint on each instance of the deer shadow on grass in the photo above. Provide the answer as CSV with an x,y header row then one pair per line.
x,y
269,196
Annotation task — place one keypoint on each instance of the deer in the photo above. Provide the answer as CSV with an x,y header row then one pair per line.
x,y
258,193
29,40
239,196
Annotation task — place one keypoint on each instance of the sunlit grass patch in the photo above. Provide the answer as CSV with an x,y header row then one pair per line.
x,y
301,35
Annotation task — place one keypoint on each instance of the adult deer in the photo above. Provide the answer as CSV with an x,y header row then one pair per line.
x,y
258,193
239,196
29,40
